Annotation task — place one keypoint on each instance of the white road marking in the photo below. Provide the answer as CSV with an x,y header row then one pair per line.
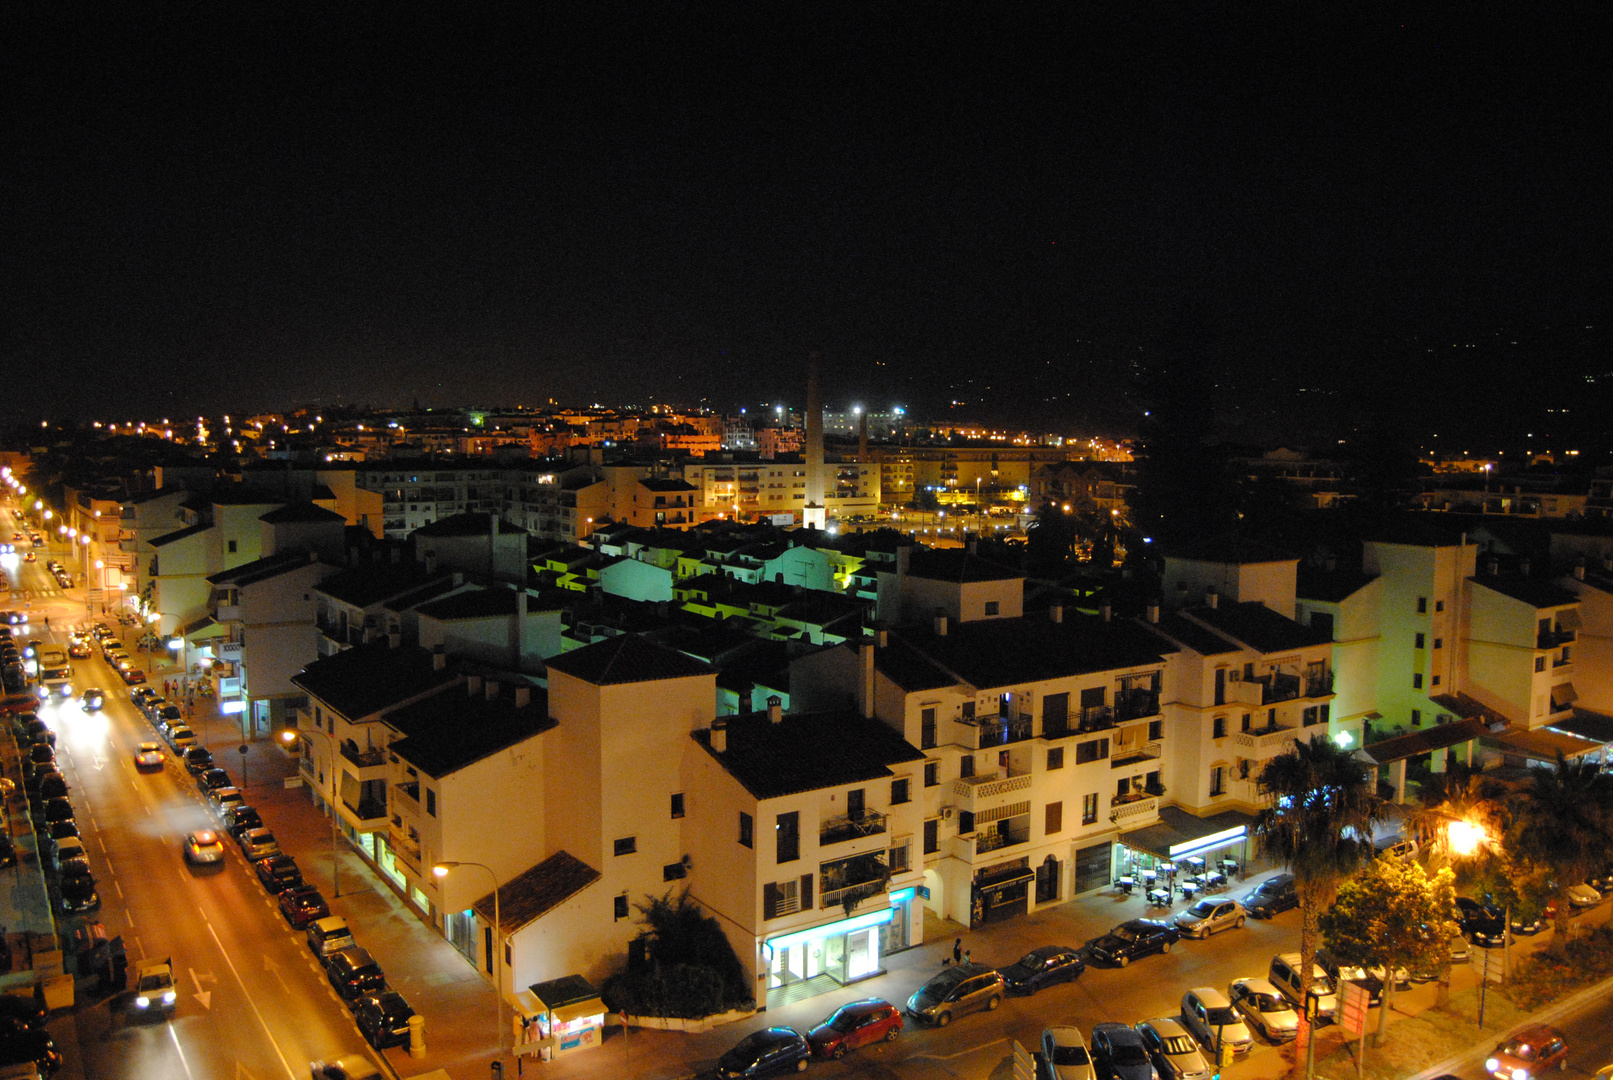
x,y
119,888
181,1051
251,1001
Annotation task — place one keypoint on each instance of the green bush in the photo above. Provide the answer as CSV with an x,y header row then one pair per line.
x,y
689,969
686,991
1556,971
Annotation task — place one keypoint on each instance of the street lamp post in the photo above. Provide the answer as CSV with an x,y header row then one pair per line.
x,y
441,870
290,737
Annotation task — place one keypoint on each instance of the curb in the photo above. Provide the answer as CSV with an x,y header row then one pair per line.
x,y
1555,1011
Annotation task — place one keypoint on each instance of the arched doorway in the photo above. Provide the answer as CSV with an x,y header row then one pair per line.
x,y
1047,880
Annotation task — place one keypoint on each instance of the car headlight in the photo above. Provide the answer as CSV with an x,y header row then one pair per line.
x,y
141,1002
1520,1074
169,998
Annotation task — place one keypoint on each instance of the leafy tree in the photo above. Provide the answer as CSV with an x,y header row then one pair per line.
x,y
1319,823
689,967
1562,820
1393,917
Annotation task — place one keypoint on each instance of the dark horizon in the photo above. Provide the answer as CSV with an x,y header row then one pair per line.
x,y
219,209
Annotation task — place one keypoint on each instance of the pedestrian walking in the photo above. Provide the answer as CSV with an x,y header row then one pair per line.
x,y
957,951
968,956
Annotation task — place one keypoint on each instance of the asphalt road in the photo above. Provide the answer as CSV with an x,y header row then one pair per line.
x,y
253,1003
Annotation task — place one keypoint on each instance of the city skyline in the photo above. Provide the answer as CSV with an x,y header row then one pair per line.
x,y
223,209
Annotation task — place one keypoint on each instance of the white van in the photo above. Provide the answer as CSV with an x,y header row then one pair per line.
x,y
1284,975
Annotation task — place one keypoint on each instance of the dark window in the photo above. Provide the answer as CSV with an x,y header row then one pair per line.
x,y
932,837
967,711
1092,750
788,836
1156,730
1439,605
627,845
991,605
1434,681
1218,728
1417,681
966,765
932,773
856,804
1419,642
677,804
1422,605
1322,623
232,547
966,822
1089,809
746,829
1439,643
1055,758
1055,818
1540,663
1218,777
674,872
619,906
927,728
899,793
431,802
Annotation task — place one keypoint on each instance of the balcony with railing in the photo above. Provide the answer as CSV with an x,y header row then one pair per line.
x,y
838,830
405,844
848,882
368,814
1133,753
988,791
1004,833
1278,687
1136,704
1550,639
992,731
1130,811
1319,685
370,762
1268,740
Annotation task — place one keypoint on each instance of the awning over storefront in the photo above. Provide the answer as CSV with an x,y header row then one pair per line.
x,y
1179,834
1541,744
1003,882
1563,695
842,926
204,628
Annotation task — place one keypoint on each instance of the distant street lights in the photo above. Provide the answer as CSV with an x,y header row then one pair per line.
x,y
441,870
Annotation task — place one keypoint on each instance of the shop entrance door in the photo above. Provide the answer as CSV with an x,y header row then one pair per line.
x,y
1047,880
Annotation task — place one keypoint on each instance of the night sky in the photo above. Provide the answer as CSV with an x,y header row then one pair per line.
x,y
1018,208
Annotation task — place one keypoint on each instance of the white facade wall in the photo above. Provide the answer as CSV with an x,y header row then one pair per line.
x,y
1593,649
1270,583
1423,591
277,625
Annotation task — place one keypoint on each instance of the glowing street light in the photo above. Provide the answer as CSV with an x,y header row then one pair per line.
x,y
1465,837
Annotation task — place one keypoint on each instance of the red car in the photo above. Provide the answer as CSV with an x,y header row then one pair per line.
x,y
302,905
855,1024
1528,1053
133,675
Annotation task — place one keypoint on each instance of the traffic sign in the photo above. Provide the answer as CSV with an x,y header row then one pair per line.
x,y
1353,1007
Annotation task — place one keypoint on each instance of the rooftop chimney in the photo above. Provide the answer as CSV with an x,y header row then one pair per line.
x,y
1492,566
492,690
431,562
1579,570
394,639
719,735
473,685
881,637
1211,599
439,659
523,696
940,624
1331,563
1055,613
865,686
1152,611
814,433
1105,612
352,555
1523,566
775,710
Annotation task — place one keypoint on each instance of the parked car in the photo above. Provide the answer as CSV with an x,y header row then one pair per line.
x,y
148,757
181,738
1210,915
78,648
1482,924
52,785
854,1025
1284,975
278,873
1118,1051
1065,1050
346,1067
763,1053
223,798
354,973
1265,1009
27,1047
329,936
142,694
57,810
8,852
383,1019
1211,1019
212,778
241,819
198,759
1176,1054
1341,973
204,846
302,904
78,886
259,844
1527,1053
68,847
956,991
1271,897
1132,939
133,676
1581,895
1528,925
1047,966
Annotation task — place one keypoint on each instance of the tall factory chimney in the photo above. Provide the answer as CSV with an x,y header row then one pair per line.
x,y
816,515
862,435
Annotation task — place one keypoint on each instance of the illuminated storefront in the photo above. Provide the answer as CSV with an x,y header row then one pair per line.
x,y
820,958
558,1017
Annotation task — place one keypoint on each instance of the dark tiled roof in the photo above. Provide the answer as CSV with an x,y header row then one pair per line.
x,y
301,512
146,496
662,484
530,895
1417,531
958,566
909,668
1189,633
627,659
415,597
1258,627
1330,586
472,604
1539,594
244,495
448,731
369,584
365,679
818,608
168,538
260,569
469,523
1004,652
808,751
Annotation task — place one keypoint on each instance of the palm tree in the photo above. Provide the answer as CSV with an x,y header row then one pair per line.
x,y
1323,804
1562,822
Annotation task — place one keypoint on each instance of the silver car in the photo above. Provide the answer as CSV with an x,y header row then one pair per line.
x,y
1210,915
1212,1020
1064,1049
1175,1053
1265,1008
